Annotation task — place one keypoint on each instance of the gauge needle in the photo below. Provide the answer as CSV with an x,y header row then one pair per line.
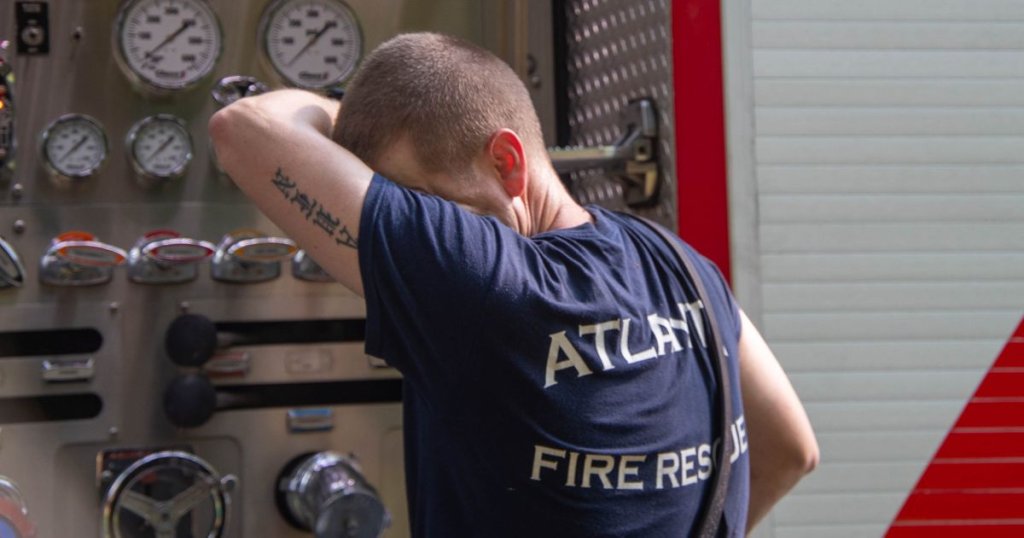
x,y
162,147
185,24
73,148
312,40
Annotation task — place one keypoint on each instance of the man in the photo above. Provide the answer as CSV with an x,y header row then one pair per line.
x,y
556,383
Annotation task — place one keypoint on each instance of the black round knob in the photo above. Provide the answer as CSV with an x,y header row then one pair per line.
x,y
191,340
190,400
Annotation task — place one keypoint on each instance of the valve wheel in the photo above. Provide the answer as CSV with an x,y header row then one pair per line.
x,y
167,491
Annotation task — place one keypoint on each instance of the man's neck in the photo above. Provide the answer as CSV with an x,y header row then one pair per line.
x,y
552,208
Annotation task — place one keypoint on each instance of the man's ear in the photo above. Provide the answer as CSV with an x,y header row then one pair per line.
x,y
505,150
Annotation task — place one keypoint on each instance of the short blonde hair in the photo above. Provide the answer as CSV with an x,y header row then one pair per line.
x,y
448,96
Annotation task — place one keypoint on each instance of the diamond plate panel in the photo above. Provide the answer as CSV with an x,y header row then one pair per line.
x,y
620,51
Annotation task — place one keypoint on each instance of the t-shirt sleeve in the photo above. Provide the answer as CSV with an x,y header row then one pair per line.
x,y
426,265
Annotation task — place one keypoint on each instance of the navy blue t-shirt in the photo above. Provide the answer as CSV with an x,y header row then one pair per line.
x,y
555,385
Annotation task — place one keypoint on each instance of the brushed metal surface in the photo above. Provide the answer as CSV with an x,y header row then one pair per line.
x,y
54,463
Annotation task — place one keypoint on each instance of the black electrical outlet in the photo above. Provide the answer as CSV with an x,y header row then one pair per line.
x,y
33,20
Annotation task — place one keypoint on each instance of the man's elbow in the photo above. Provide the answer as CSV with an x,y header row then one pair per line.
x,y
220,128
804,458
811,458
231,131
792,460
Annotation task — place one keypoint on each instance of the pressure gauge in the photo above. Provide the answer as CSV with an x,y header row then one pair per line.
x,y
313,44
159,147
167,45
74,146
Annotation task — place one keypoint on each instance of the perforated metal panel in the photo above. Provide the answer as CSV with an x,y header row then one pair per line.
x,y
617,52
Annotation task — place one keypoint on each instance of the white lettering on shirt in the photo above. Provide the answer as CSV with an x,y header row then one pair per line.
x,y
661,331
669,469
560,345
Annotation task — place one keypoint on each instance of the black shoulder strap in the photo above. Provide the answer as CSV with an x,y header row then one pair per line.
x,y
711,511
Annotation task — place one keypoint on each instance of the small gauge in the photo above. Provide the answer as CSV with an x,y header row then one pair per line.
x,y
313,44
159,147
74,146
167,45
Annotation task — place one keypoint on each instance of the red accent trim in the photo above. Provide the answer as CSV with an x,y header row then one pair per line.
x,y
1013,356
962,506
994,413
960,474
703,204
982,444
926,530
1001,384
974,486
23,527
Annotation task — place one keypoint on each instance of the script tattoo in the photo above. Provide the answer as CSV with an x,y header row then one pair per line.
x,y
314,211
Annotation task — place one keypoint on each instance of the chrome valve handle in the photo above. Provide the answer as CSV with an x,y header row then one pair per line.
x,y
78,259
262,249
189,494
164,257
248,256
14,520
305,268
12,273
325,493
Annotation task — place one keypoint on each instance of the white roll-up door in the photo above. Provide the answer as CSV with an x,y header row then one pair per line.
x,y
877,172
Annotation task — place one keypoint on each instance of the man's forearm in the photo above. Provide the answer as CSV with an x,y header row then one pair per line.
x,y
276,147
782,444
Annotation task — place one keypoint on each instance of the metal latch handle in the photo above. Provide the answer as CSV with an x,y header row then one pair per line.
x,y
632,158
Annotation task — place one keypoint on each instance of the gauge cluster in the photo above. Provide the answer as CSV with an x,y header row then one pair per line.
x,y
169,46
169,50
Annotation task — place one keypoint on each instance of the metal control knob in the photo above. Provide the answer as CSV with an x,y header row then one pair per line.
x,y
190,400
165,257
168,494
249,256
12,273
14,520
190,340
77,259
232,88
326,493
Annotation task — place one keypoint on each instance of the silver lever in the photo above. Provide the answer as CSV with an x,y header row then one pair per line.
x,y
633,158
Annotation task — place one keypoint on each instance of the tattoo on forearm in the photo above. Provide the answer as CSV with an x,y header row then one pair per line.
x,y
314,211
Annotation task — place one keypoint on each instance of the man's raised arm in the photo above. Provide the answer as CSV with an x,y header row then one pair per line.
x,y
276,147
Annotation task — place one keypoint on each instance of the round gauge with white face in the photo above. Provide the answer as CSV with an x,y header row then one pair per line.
x,y
159,147
167,45
74,146
313,44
